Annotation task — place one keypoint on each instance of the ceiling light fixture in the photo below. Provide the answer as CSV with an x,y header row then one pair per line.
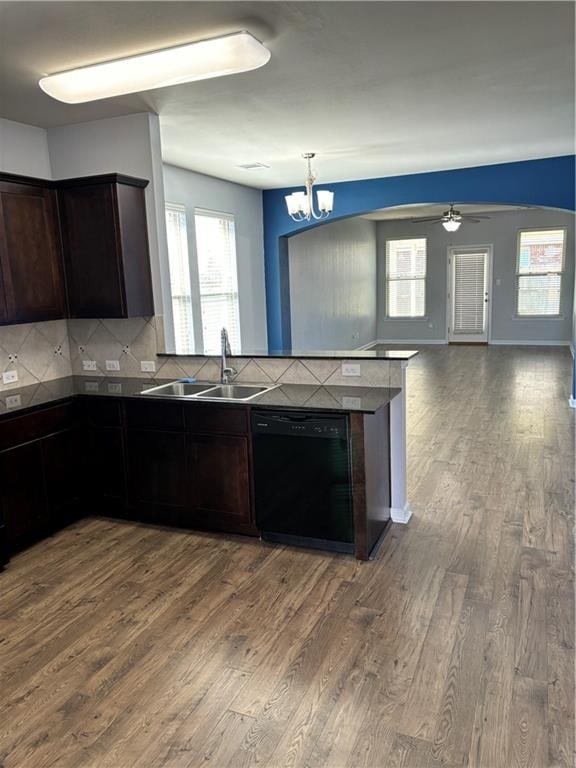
x,y
216,57
301,204
451,225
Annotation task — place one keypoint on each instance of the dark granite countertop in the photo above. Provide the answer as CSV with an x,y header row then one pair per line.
x,y
338,354
294,396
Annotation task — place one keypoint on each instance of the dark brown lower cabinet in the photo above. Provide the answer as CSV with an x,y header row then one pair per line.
x,y
61,461
157,477
23,498
161,463
220,482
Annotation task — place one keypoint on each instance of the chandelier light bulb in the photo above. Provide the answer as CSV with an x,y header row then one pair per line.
x,y
300,205
451,225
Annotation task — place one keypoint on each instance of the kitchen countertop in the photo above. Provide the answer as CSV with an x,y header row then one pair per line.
x,y
338,354
294,396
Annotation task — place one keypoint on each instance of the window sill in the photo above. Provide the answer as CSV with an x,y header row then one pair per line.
x,y
537,317
407,319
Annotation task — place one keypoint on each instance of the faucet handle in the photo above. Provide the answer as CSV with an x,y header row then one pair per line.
x,y
229,374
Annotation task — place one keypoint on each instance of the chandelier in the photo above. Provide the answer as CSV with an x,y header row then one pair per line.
x,y
301,204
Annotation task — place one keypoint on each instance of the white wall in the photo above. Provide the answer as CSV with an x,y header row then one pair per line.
x,y
24,150
194,190
333,285
129,144
501,231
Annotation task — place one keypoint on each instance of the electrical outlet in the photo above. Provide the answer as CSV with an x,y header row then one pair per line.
x,y
88,365
112,365
355,403
9,377
351,369
13,401
91,386
148,366
115,388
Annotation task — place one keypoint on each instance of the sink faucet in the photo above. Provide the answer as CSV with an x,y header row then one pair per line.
x,y
227,373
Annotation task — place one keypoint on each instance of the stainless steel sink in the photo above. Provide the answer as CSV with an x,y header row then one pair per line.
x,y
177,389
233,392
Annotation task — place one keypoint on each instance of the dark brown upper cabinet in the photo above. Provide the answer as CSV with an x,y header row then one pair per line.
x,y
31,278
106,256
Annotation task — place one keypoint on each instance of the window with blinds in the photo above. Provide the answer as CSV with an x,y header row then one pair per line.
x,y
217,276
406,277
539,270
179,268
469,286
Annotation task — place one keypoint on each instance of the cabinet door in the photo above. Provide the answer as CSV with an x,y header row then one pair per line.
x,y
30,254
61,462
157,477
22,495
104,470
91,251
220,493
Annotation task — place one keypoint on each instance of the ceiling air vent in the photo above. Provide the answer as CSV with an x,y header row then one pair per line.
x,y
253,166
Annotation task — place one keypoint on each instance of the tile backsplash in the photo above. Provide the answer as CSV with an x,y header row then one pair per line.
x,y
36,351
46,351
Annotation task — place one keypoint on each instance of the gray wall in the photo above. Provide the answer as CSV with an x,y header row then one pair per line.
x,y
24,150
501,231
333,285
127,144
194,190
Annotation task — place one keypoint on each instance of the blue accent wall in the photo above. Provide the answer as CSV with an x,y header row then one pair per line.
x,y
548,182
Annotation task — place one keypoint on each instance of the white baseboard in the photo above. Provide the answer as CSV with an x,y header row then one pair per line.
x,y
572,401
409,341
401,515
518,343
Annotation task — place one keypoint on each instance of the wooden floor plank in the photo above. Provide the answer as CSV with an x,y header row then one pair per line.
x,y
123,645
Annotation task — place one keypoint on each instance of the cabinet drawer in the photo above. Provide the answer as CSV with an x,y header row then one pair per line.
x,y
216,420
147,415
31,426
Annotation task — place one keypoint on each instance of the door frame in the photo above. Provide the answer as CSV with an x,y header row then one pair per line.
x,y
489,248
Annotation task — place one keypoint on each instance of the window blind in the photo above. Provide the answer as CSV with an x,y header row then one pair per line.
x,y
217,275
406,277
539,270
469,286
179,269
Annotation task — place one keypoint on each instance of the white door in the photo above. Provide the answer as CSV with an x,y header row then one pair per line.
x,y
469,294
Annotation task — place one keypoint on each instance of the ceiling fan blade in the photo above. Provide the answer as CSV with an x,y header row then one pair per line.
x,y
473,217
420,221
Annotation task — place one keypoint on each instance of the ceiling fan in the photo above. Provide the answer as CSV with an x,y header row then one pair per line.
x,y
451,219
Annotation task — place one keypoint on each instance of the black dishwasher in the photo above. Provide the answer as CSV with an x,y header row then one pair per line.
x,y
302,479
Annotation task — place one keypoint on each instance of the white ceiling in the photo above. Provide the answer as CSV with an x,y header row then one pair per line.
x,y
375,88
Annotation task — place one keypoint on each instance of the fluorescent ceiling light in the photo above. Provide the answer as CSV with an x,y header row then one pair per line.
x,y
217,57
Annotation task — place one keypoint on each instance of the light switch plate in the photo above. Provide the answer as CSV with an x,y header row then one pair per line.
x,y
112,365
352,402
114,388
351,369
148,366
9,377
88,365
91,386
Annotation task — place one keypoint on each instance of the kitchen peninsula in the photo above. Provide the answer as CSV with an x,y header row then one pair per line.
x,y
100,446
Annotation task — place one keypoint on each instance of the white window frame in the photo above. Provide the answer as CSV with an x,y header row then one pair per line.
x,y
181,209
387,280
211,212
518,274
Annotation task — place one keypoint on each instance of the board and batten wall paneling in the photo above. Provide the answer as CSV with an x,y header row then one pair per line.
x,y
500,231
333,285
